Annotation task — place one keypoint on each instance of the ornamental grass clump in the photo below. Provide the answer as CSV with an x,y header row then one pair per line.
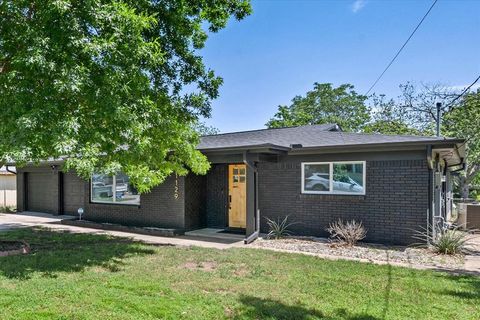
x,y
445,241
278,229
346,233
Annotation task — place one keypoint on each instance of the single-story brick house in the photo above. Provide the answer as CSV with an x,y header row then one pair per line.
x,y
316,174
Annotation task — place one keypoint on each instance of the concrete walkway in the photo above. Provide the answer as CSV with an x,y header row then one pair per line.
x,y
472,260
34,219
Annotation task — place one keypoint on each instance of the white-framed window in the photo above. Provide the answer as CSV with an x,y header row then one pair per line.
x,y
342,177
113,189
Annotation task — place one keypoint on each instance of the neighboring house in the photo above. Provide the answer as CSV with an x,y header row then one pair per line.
x,y
8,187
314,174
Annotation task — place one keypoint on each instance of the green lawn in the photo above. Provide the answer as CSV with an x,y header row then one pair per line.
x,y
79,276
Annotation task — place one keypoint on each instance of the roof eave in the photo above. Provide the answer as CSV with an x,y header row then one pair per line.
x,y
256,148
377,146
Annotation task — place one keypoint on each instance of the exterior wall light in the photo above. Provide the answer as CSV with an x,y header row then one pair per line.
x,y
80,213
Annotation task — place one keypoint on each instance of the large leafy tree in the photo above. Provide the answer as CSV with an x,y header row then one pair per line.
x,y
108,85
324,104
389,118
413,112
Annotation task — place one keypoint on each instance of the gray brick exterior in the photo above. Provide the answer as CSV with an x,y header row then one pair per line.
x,y
195,202
217,196
395,204
73,193
158,208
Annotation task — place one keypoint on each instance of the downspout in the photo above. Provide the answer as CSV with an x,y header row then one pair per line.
x,y
256,233
8,170
430,209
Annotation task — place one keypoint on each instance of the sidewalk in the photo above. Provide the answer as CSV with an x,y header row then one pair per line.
x,y
31,219
34,219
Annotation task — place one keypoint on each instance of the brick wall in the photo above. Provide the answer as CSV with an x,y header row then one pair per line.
x,y
195,202
158,208
73,193
395,203
217,196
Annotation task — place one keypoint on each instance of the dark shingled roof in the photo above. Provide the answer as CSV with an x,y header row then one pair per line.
x,y
326,135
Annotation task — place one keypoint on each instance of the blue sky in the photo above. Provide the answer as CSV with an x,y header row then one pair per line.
x,y
285,46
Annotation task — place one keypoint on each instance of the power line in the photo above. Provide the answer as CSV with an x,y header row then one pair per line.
x,y
403,46
463,92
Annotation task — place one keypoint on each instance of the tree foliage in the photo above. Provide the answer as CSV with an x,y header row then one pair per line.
x,y
324,104
388,118
463,121
205,130
104,83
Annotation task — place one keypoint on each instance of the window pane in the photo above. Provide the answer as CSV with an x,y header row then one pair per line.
x,y
348,177
125,193
317,177
242,171
102,188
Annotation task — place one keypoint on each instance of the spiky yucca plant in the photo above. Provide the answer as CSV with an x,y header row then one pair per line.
x,y
446,241
279,229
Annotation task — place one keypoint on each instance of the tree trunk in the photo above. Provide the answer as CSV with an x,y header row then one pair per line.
x,y
464,187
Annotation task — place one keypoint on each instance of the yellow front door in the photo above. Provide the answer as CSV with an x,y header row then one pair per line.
x,y
237,192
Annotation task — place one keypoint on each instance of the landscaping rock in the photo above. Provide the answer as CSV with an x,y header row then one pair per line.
x,y
369,252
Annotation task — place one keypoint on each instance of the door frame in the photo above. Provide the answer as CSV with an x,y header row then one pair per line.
x,y
229,195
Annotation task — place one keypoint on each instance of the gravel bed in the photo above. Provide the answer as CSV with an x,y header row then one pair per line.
x,y
371,252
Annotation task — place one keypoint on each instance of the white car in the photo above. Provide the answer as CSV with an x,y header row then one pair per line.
x,y
318,183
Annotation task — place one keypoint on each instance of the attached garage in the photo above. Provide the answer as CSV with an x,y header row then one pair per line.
x,y
73,193
42,192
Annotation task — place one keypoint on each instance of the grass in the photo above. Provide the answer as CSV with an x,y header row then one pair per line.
x,y
8,209
82,276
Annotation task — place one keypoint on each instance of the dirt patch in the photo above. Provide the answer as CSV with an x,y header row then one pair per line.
x,y
241,271
9,248
229,312
208,266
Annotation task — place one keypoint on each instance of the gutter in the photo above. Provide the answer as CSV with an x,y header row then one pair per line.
x,y
245,148
383,145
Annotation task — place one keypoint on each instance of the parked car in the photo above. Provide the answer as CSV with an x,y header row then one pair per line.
x,y
318,183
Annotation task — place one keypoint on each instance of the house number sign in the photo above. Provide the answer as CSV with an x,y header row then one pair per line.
x,y
175,193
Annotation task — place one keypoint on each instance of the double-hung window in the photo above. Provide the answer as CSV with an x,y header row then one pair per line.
x,y
345,177
115,189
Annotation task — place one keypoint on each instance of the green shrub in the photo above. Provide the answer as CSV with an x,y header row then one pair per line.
x,y
278,229
8,209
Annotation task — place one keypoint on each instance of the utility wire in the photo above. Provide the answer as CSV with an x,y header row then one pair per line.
x,y
403,46
463,92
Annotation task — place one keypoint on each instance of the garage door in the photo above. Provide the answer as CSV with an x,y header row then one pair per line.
x,y
73,193
41,197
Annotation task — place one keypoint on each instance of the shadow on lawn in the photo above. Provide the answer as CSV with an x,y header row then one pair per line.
x,y
468,287
258,308
60,251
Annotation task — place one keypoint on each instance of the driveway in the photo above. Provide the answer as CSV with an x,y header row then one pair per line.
x,y
35,219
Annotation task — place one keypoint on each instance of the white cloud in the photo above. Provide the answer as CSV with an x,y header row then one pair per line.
x,y
463,86
358,5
